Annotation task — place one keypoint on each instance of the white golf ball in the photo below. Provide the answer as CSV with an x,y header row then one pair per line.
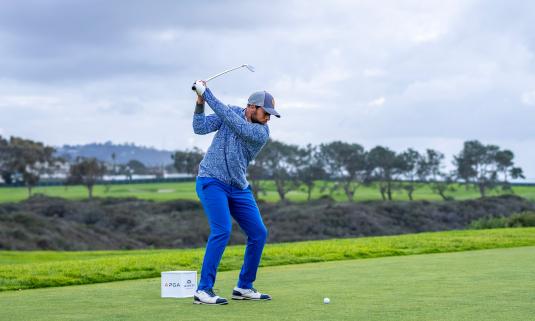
x,y
326,300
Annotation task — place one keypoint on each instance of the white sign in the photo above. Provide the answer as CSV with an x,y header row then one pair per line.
x,y
179,284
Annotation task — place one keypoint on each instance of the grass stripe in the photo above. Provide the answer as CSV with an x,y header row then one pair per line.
x,y
70,268
186,191
487,285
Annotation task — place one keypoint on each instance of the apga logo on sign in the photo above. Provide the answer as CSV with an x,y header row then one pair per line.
x,y
173,285
188,285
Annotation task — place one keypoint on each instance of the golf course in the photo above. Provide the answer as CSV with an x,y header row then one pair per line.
x,y
455,275
186,191
267,161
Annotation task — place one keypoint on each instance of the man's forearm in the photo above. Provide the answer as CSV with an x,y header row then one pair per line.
x,y
199,105
199,108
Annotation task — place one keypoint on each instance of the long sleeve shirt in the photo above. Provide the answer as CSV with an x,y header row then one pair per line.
x,y
236,143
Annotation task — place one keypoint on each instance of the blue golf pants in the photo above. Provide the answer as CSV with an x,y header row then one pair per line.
x,y
221,201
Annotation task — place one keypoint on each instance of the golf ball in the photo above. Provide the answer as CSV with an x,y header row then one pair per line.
x,y
326,300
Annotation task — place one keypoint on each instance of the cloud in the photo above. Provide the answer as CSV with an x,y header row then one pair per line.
x,y
124,107
373,73
377,102
528,98
452,88
450,70
32,101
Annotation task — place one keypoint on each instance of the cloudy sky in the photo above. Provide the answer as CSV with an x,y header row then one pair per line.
x,y
421,74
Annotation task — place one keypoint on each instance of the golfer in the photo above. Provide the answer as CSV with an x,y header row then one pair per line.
x,y
223,188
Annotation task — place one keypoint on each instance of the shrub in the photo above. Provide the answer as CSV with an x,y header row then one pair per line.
x,y
489,222
522,219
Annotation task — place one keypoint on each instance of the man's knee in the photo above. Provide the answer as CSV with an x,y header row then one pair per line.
x,y
260,234
221,234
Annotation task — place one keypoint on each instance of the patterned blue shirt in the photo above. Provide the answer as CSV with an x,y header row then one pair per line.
x,y
235,145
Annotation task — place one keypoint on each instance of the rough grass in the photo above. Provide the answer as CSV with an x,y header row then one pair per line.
x,y
25,270
186,190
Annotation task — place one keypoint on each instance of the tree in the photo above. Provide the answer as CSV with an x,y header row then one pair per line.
x,y
87,172
385,166
505,166
113,158
126,171
280,164
310,169
137,167
188,161
26,159
409,161
345,163
257,172
430,170
5,172
481,166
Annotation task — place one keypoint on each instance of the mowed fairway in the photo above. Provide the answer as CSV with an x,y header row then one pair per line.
x,y
497,284
186,191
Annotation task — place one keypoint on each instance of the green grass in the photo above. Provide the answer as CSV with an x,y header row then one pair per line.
x,y
24,270
153,191
487,285
186,190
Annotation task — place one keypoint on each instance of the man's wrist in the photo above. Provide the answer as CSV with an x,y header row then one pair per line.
x,y
199,107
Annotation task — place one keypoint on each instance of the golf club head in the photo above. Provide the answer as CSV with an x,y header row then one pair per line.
x,y
251,68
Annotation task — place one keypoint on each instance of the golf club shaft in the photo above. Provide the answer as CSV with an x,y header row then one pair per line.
x,y
224,72
251,68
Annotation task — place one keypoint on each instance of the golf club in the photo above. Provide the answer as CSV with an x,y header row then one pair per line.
x,y
251,69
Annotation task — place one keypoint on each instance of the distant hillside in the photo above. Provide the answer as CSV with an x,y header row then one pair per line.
x,y
123,153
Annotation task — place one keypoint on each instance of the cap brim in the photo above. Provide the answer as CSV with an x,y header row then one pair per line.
x,y
272,111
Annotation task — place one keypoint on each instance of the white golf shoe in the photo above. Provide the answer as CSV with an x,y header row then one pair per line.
x,y
208,297
249,294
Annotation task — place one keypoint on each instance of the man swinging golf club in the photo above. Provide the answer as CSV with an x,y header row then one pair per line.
x,y
223,188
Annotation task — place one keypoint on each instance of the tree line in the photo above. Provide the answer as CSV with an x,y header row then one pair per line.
x,y
328,167
25,161
347,166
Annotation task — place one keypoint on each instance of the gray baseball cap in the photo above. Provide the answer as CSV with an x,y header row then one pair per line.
x,y
264,100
